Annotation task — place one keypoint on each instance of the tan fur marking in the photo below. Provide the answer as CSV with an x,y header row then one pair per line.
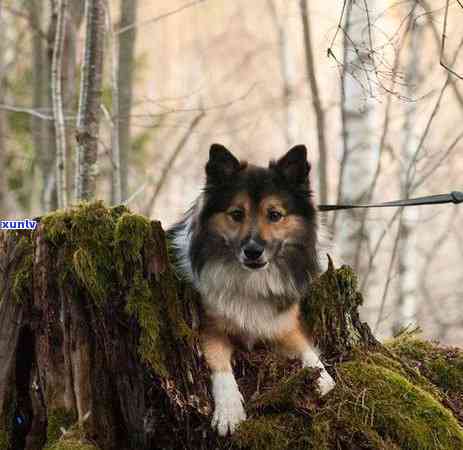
x,y
217,348
223,223
241,200
282,230
273,201
296,340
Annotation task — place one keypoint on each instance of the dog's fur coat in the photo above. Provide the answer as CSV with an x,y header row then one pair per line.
x,y
249,246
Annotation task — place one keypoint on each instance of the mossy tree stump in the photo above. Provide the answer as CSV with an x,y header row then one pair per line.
x,y
99,350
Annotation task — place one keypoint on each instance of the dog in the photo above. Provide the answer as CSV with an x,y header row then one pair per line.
x,y
249,246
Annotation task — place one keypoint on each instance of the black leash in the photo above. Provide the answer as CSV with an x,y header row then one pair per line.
x,y
454,197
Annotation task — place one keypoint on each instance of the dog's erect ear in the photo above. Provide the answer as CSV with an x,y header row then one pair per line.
x,y
221,165
294,165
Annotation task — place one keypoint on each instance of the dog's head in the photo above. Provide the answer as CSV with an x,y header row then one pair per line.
x,y
258,218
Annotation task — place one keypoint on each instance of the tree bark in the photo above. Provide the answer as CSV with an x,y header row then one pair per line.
x,y
88,121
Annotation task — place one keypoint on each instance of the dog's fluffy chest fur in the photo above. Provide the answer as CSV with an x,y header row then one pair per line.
x,y
258,304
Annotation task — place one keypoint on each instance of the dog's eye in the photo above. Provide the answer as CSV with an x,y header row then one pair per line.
x,y
274,216
237,215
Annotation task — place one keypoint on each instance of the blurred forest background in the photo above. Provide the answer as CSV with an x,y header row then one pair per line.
x,y
120,100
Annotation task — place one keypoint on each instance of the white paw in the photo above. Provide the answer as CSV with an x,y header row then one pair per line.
x,y
229,411
227,416
325,382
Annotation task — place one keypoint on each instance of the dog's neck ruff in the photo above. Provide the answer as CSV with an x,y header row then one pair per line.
x,y
255,303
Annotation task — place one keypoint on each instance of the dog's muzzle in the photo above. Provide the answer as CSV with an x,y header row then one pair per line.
x,y
253,256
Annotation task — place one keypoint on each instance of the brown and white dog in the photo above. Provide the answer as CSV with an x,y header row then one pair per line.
x,y
249,245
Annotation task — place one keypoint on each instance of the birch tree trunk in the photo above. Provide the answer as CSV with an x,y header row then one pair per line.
x,y
408,243
57,96
125,71
316,105
88,121
43,132
358,121
70,77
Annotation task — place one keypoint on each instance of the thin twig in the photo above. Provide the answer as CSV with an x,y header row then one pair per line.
x,y
437,37
388,279
25,110
442,48
158,18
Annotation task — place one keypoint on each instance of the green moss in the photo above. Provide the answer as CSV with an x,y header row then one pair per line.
x,y
297,390
112,252
331,304
140,305
58,419
275,421
105,249
130,234
72,444
372,407
86,233
22,277
4,440
383,408
398,366
443,366
273,432
85,268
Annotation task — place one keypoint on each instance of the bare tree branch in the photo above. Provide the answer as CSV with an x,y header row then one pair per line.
x,y
442,48
158,18
25,110
438,40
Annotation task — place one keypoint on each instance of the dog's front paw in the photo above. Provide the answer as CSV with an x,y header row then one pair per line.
x,y
325,382
227,416
229,411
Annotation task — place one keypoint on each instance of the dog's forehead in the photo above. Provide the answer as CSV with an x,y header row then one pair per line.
x,y
255,183
258,188
259,201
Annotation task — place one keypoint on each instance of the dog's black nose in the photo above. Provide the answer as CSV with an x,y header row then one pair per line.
x,y
253,251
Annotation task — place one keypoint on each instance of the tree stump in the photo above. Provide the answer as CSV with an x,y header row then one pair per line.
x,y
99,350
